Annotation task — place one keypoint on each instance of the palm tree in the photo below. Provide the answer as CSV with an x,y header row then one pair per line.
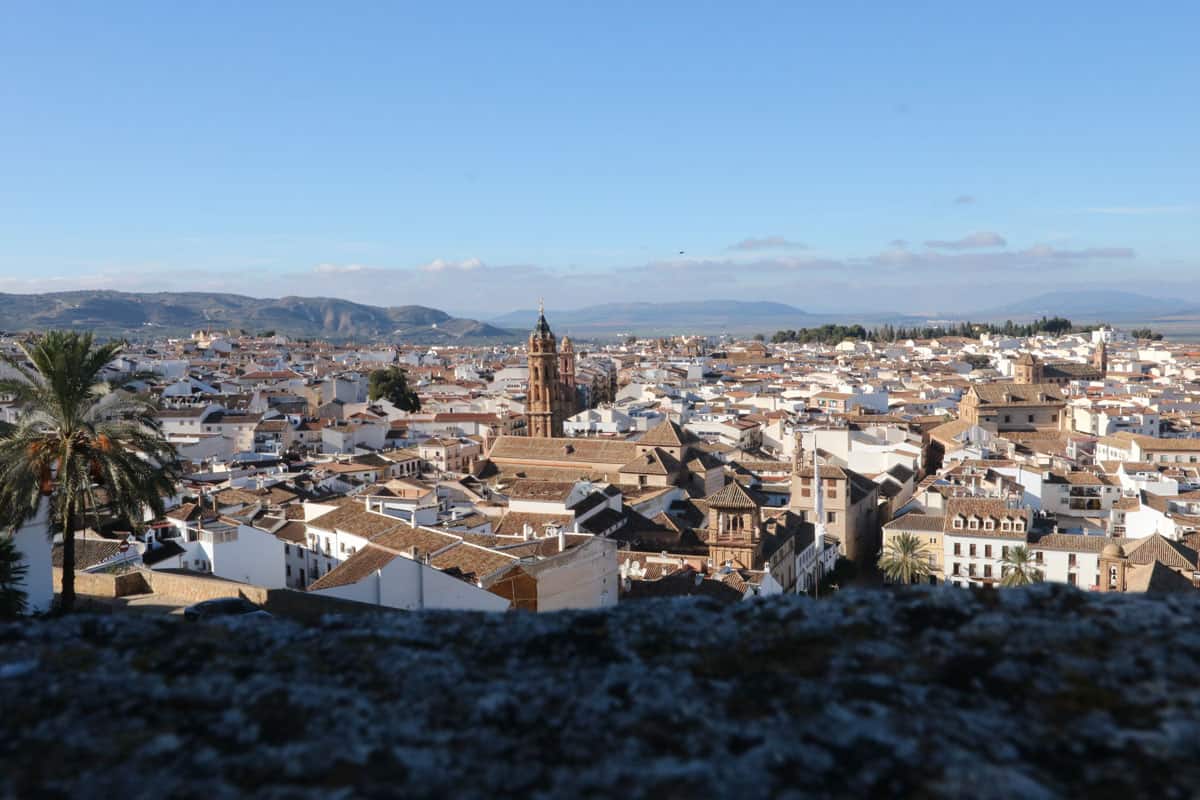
x,y
84,447
905,559
13,599
1018,568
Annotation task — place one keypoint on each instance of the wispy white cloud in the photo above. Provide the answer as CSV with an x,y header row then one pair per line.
x,y
978,239
446,265
339,269
767,243
1143,211
1046,251
883,278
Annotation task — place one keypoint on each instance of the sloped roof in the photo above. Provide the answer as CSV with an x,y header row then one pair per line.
x,y
1008,394
924,523
732,495
652,462
472,561
162,552
527,489
985,507
353,569
1156,547
88,552
513,523
666,434
355,519
1156,578
561,449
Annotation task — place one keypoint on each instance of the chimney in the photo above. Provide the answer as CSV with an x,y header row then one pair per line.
x,y
562,539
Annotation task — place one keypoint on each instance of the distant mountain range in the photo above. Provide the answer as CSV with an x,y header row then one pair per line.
x,y
701,317
144,314
708,316
1093,306
126,314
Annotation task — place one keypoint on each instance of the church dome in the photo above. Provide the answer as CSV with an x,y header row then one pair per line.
x,y
1112,550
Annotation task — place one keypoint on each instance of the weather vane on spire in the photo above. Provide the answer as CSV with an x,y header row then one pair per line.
x,y
541,305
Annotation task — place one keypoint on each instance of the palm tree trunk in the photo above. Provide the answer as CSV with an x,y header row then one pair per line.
x,y
66,599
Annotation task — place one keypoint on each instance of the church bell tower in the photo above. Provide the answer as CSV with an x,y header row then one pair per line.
x,y
543,408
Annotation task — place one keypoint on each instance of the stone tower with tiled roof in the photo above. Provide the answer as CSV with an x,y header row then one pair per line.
x,y
544,405
734,532
566,376
1027,370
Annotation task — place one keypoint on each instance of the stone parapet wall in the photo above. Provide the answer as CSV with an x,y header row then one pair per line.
x,y
103,585
1033,693
196,588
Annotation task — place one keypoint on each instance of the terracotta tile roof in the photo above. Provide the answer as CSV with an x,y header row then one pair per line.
x,y
652,462
358,566
513,523
1074,542
272,495
1155,578
353,518
985,508
1011,394
918,523
404,538
563,450
474,563
88,552
732,495
948,432
185,513
1154,444
526,489
1158,548
666,434
292,531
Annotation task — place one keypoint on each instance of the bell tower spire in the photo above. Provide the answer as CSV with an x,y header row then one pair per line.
x,y
543,405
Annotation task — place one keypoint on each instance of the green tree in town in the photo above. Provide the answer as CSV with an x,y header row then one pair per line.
x,y
1018,567
85,449
905,559
12,580
391,384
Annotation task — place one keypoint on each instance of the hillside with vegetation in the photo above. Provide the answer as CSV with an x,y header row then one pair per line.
x,y
140,314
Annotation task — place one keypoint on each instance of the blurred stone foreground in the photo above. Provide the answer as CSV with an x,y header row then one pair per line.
x,y
1046,692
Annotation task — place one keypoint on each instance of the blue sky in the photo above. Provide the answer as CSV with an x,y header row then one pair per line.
x,y
849,156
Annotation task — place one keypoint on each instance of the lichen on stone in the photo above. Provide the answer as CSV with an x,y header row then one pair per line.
x,y
1039,692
